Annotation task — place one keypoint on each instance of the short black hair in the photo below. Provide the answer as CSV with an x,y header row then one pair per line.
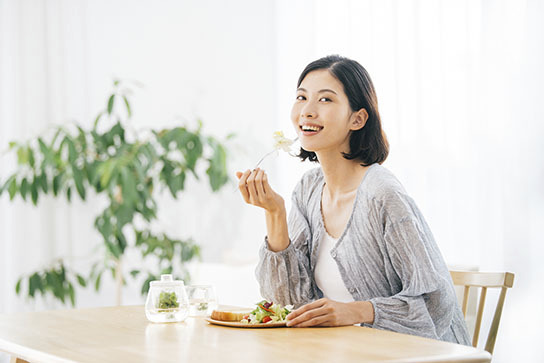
x,y
369,144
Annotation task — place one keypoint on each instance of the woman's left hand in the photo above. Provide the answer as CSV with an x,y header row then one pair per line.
x,y
326,312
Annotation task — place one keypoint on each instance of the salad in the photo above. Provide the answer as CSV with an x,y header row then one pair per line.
x,y
267,312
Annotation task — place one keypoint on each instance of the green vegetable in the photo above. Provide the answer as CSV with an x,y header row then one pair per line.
x,y
202,306
275,311
168,300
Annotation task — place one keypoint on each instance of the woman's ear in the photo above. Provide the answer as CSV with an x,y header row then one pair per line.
x,y
359,119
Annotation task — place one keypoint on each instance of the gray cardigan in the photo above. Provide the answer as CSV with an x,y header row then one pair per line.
x,y
386,255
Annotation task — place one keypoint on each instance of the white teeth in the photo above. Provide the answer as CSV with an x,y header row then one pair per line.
x,y
310,128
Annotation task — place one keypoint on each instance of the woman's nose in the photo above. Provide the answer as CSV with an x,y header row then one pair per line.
x,y
309,111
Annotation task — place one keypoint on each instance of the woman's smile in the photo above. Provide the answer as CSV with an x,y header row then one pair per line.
x,y
310,129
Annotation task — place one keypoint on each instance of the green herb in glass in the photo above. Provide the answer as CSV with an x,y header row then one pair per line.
x,y
202,307
168,300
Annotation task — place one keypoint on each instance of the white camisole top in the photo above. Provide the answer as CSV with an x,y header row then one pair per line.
x,y
327,275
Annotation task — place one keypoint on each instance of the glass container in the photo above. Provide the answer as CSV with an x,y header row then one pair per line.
x,y
202,300
166,301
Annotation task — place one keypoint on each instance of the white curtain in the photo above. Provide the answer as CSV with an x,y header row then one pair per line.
x,y
57,62
460,91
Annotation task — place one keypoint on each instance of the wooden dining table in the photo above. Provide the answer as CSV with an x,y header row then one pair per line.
x,y
123,334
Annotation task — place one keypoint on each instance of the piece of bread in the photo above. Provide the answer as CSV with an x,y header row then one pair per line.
x,y
230,314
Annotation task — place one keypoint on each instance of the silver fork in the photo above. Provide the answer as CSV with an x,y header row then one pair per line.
x,y
265,156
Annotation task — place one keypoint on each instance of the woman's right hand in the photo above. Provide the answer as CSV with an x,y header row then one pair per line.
x,y
255,189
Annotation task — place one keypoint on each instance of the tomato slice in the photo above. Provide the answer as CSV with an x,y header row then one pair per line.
x,y
266,319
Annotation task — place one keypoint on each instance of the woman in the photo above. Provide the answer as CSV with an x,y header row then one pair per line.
x,y
356,249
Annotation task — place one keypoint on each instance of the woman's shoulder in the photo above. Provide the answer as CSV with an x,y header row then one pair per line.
x,y
308,184
382,185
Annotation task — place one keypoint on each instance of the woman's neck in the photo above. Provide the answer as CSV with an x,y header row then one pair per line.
x,y
342,176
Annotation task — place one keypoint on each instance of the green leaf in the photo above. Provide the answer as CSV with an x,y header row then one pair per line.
x,y
166,271
97,282
72,294
31,159
34,191
121,241
105,170
6,185
78,180
97,119
72,152
128,187
127,104
12,144
12,189
42,182
82,138
57,183
69,194
43,147
34,284
124,214
113,249
110,103
176,183
22,155
217,171
134,273
18,287
24,188
81,280
145,285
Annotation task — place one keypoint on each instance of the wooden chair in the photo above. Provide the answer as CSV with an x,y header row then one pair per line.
x,y
484,280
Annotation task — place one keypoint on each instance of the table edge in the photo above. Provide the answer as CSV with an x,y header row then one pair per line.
x,y
30,354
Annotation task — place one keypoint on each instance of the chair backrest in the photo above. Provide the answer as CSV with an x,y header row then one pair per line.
x,y
484,280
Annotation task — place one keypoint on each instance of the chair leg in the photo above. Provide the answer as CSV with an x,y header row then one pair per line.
x,y
481,305
490,344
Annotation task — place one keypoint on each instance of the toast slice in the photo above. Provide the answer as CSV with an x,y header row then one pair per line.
x,y
230,314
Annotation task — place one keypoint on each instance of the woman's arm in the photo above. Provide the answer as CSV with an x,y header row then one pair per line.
x,y
255,189
283,270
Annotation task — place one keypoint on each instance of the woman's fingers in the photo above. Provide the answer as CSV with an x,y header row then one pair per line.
x,y
312,317
242,184
259,185
320,320
267,188
305,308
314,313
251,187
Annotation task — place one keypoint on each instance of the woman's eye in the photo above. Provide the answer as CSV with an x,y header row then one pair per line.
x,y
301,98
325,99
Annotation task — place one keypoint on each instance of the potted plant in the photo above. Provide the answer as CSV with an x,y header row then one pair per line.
x,y
126,168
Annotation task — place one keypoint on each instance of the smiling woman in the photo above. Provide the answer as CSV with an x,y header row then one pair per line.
x,y
355,248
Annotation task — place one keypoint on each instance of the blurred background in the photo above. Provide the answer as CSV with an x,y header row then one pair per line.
x,y
459,85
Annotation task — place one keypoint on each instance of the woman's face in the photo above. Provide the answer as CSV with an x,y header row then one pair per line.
x,y
321,113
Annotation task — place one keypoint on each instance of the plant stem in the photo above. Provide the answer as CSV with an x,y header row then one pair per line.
x,y
118,281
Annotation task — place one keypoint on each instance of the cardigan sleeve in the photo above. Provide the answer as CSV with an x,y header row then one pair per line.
x,y
424,302
285,276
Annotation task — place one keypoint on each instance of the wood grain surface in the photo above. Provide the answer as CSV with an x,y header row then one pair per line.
x,y
123,334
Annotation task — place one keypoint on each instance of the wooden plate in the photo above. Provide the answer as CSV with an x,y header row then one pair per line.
x,y
236,324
